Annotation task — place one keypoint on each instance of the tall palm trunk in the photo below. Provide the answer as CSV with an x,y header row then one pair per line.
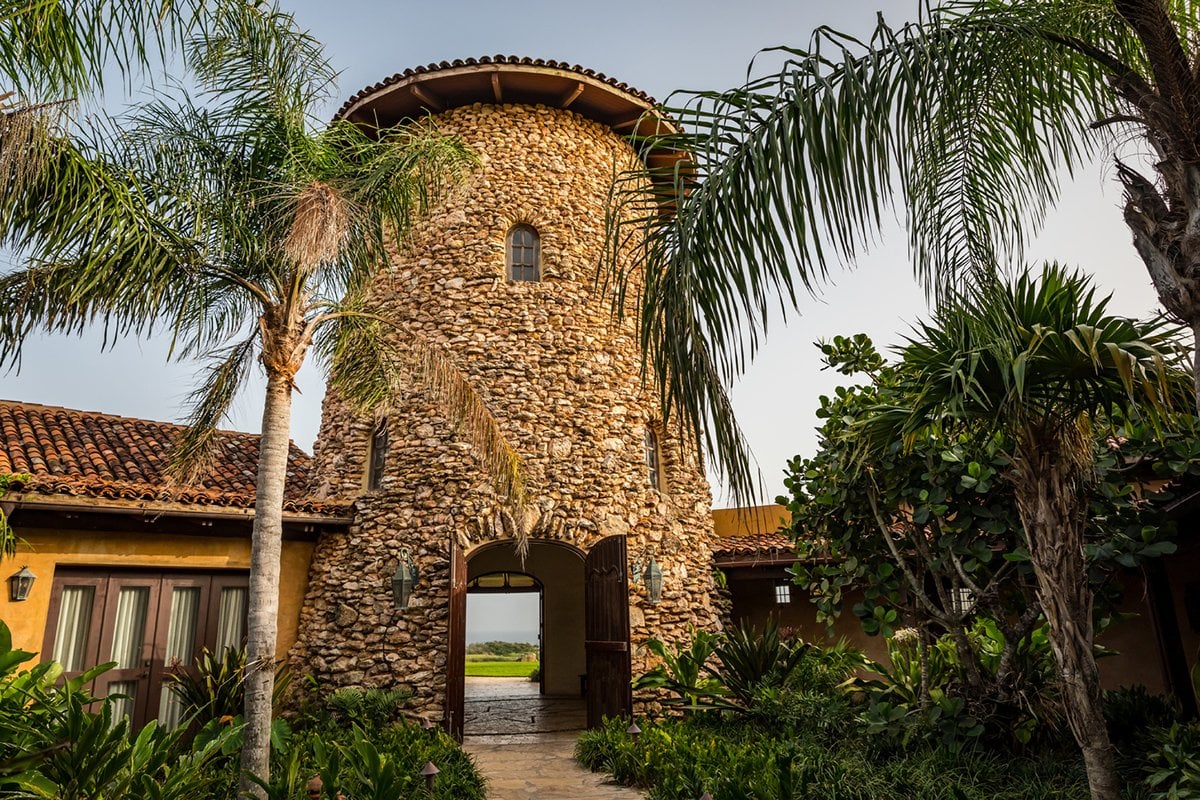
x,y
1052,506
265,548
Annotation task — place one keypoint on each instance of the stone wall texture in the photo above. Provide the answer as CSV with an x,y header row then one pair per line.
x,y
560,374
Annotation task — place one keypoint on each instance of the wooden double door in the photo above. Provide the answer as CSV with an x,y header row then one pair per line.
x,y
606,634
148,624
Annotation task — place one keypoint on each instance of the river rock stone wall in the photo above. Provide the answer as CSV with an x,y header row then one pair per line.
x,y
561,376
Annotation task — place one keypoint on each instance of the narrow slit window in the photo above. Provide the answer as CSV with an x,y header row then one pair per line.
x,y
653,460
378,459
524,254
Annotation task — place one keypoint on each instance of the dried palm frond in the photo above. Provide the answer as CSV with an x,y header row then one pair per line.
x,y
26,141
319,227
481,429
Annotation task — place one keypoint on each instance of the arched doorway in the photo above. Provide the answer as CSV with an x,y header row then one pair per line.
x,y
496,577
584,626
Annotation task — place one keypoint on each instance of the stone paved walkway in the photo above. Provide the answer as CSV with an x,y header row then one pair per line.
x,y
539,766
524,744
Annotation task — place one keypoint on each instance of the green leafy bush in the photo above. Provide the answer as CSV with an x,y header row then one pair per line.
x,y
1174,772
680,759
215,687
52,745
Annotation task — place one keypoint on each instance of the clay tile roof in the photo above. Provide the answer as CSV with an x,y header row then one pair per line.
x,y
90,454
496,59
753,546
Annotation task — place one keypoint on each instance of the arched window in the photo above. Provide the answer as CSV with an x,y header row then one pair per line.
x,y
653,460
377,457
524,254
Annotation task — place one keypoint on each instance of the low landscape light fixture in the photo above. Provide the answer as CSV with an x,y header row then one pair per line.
x,y
404,579
430,772
634,731
20,584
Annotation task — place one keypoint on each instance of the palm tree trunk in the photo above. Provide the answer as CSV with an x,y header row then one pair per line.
x,y
265,548
1051,507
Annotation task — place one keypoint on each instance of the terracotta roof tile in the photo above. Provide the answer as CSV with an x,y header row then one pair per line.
x,y
753,545
90,454
496,59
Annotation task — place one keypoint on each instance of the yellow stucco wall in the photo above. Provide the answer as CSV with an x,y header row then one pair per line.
x,y
749,520
44,551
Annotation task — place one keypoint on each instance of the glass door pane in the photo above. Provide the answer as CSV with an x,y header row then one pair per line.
x,y
183,620
74,627
123,696
231,617
129,626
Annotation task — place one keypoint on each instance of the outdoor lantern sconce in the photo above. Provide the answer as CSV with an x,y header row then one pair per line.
x,y
651,574
20,584
404,579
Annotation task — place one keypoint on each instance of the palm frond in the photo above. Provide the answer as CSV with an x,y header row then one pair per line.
x,y
51,49
253,56
192,453
967,119
1041,348
372,361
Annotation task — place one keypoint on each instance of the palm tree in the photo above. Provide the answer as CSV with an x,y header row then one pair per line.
x,y
252,231
54,53
1044,362
969,117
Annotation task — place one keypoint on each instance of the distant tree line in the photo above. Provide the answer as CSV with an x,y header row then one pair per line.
x,y
501,648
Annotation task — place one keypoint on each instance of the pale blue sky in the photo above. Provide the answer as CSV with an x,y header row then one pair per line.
x,y
657,47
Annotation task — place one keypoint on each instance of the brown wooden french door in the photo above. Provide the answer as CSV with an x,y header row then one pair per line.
x,y
606,631
148,624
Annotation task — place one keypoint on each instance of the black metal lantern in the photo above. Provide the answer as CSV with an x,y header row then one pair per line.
x,y
20,584
652,579
404,579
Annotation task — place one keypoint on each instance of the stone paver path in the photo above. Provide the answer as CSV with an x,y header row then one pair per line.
x,y
540,766
524,744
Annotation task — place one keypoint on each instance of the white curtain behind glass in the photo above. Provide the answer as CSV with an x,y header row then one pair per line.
x,y
129,628
122,706
74,625
231,620
181,641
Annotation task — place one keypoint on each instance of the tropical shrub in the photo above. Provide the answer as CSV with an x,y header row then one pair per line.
x,y
681,759
52,745
1174,763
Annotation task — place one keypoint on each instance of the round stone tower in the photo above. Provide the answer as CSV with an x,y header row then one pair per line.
x,y
503,277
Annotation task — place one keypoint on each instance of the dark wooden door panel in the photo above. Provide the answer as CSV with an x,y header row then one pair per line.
x,y
456,657
606,631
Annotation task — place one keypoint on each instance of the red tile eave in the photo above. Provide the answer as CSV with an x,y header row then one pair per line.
x,y
122,492
497,59
98,458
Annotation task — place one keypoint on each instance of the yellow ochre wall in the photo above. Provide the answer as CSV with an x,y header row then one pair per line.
x,y
43,551
749,521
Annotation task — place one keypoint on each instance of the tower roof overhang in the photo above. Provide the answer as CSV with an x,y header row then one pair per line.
x,y
435,88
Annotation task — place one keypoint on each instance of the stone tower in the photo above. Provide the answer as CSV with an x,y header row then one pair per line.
x,y
504,279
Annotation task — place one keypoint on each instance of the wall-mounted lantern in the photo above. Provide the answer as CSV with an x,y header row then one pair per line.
x,y
20,584
651,575
404,579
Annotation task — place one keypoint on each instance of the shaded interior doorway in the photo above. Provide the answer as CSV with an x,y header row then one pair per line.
x,y
554,573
